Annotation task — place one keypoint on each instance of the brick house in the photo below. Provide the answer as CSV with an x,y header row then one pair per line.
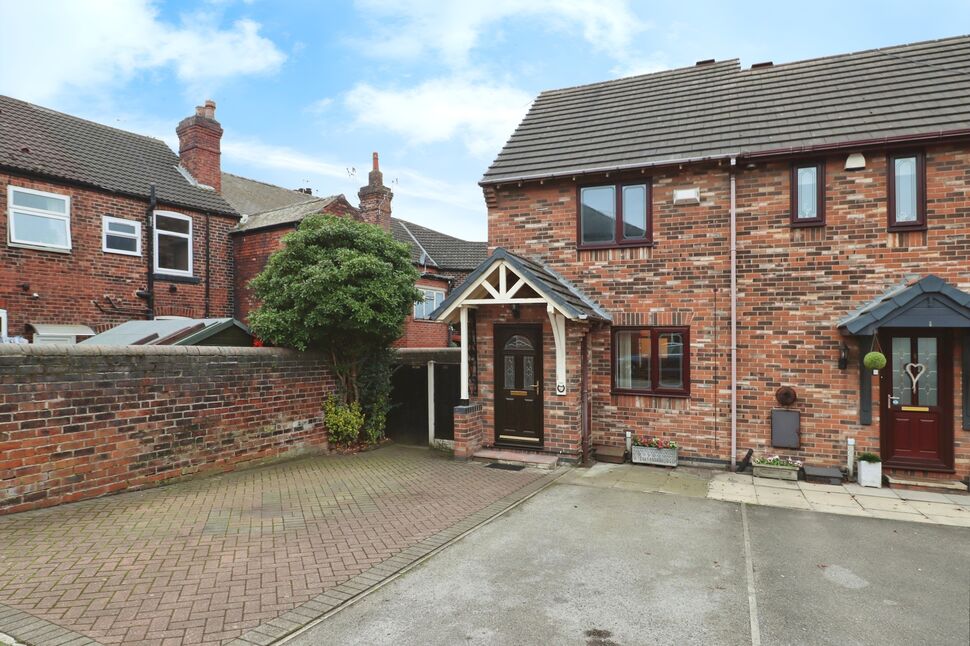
x,y
270,212
670,250
102,225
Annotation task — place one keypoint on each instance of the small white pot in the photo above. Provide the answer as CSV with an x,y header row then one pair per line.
x,y
870,474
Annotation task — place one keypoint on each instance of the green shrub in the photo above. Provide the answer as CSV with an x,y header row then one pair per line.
x,y
344,421
874,361
869,457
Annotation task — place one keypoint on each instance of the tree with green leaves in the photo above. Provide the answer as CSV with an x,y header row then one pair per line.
x,y
343,288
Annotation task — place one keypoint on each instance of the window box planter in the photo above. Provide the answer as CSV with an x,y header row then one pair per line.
x,y
776,471
651,455
870,474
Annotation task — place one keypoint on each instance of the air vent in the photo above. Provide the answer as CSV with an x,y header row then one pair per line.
x,y
758,66
709,61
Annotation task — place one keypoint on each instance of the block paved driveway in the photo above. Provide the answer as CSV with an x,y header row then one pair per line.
x,y
205,561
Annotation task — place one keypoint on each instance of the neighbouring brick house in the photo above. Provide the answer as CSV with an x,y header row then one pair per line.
x,y
670,250
102,225
270,212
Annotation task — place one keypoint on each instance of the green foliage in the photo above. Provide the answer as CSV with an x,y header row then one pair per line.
x,y
375,392
343,288
869,457
344,421
874,361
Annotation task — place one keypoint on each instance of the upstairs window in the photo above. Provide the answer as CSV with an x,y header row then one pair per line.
x,y
38,219
617,214
432,299
172,243
907,190
651,361
120,236
808,195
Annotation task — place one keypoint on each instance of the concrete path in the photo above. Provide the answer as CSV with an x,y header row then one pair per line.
x,y
598,560
847,500
253,554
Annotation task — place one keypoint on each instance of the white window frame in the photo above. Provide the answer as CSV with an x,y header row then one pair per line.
x,y
177,216
11,226
108,219
424,290
3,323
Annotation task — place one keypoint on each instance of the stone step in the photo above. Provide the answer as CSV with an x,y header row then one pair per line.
x,y
611,454
919,484
510,456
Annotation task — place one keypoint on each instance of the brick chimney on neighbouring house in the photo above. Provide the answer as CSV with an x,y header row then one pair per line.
x,y
375,199
199,137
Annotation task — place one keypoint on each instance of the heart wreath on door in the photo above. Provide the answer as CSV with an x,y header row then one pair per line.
x,y
915,371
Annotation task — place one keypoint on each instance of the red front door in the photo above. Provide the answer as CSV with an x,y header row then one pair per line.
x,y
917,400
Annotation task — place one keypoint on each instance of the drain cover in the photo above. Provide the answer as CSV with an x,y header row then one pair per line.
x,y
506,467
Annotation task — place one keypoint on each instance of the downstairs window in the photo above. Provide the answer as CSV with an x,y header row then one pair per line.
x,y
651,361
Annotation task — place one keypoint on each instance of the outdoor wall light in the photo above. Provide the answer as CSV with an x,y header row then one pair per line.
x,y
843,357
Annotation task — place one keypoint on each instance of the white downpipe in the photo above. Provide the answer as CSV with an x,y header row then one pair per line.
x,y
431,403
463,313
734,322
850,457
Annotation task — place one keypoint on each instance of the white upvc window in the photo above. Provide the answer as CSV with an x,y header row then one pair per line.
x,y
172,240
3,324
38,219
120,236
432,299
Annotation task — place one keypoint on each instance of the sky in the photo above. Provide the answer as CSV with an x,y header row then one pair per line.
x,y
307,90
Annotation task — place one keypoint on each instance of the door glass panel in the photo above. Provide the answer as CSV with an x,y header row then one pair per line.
x,y
902,384
509,372
518,342
928,384
528,372
670,346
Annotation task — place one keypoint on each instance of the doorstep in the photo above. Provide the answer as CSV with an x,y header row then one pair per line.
x,y
510,456
918,484
611,454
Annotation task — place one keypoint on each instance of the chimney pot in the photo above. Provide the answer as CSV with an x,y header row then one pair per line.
x,y
377,165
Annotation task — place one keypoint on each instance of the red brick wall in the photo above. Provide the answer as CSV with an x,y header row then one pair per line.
x,y
251,252
794,286
69,284
103,420
468,430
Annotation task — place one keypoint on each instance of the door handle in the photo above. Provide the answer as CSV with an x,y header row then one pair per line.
x,y
535,386
893,401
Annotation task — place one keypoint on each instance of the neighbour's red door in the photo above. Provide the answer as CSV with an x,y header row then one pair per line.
x,y
917,400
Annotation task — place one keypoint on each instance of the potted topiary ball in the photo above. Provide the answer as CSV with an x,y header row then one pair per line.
x,y
870,470
874,361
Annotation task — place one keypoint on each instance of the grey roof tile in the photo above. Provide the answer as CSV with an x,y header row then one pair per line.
x,y
250,196
44,142
719,109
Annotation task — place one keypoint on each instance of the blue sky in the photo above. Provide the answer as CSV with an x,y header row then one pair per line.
x,y
306,90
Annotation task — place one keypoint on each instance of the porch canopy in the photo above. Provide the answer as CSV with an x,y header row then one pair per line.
x,y
928,302
505,278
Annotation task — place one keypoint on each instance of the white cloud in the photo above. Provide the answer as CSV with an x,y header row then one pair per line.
x,y
452,30
456,209
96,43
482,114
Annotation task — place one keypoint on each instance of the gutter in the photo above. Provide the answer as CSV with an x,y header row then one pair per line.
x,y
738,156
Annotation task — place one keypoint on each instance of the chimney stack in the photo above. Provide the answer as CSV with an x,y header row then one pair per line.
x,y
199,148
375,199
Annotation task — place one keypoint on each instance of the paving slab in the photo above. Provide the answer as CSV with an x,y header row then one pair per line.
x,y
206,560
924,496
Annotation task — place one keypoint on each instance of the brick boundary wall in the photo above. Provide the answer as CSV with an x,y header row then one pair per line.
x,y
469,430
78,422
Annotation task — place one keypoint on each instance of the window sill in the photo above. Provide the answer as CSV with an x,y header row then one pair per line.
x,y
896,228
21,245
649,393
806,225
170,278
626,245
